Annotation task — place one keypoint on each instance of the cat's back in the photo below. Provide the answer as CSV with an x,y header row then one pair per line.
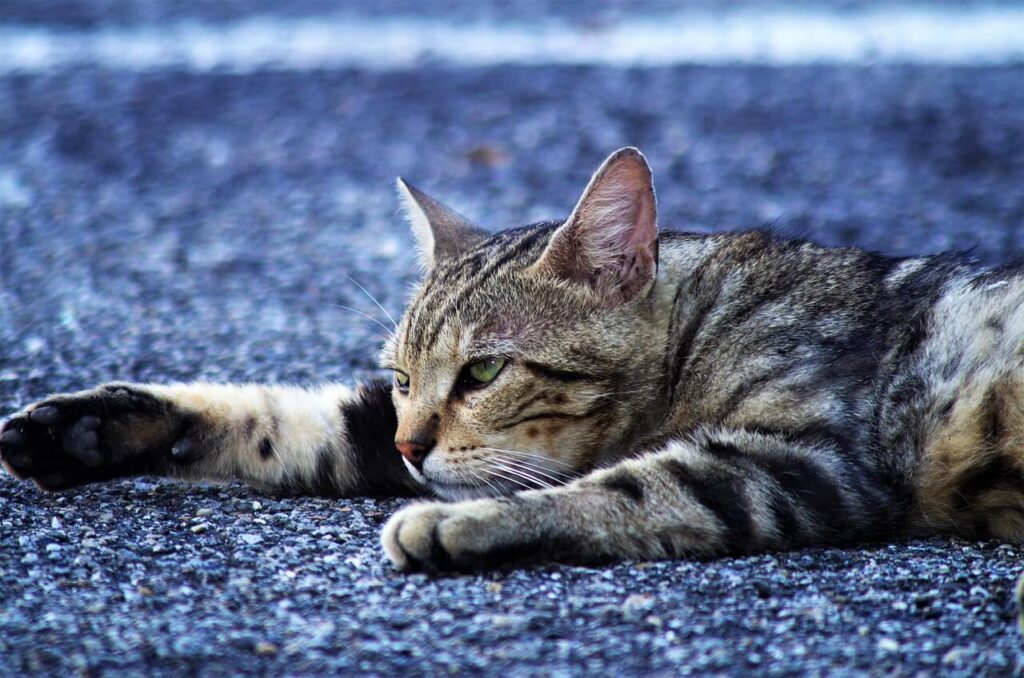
x,y
784,333
913,366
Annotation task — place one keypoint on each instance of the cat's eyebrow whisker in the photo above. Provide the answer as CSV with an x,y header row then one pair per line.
x,y
368,317
374,300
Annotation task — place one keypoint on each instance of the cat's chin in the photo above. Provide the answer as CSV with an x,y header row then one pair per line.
x,y
460,491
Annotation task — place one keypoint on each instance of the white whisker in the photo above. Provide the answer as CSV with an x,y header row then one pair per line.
x,y
541,458
497,490
374,300
555,476
491,470
368,317
523,473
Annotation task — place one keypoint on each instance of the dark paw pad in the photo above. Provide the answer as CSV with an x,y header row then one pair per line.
x,y
81,440
59,443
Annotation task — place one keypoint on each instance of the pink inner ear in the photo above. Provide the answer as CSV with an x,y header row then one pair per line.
x,y
610,241
618,218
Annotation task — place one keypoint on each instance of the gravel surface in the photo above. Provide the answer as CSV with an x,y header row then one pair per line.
x,y
181,226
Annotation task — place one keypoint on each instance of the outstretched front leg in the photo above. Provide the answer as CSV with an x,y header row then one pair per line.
x,y
328,441
723,493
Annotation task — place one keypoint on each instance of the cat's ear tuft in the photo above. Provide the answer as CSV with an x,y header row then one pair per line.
x,y
440,231
610,242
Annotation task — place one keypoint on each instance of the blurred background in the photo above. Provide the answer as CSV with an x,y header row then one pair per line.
x,y
185,187
198,190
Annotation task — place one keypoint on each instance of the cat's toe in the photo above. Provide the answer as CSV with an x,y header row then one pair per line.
x,y
410,537
14,453
45,415
450,537
51,444
81,441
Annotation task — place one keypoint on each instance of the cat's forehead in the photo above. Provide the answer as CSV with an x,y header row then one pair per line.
x,y
463,325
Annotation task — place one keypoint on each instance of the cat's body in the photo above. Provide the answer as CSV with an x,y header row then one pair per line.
x,y
699,394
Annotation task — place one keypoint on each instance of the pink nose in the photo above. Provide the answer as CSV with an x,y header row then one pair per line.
x,y
415,450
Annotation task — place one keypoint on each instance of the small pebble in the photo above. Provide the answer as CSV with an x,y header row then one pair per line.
x,y
888,645
265,648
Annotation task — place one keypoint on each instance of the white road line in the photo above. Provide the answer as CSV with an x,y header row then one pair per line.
x,y
967,34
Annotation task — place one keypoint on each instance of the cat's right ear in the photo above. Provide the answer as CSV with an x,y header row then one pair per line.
x,y
440,231
610,242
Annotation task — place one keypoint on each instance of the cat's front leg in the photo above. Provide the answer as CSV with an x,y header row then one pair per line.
x,y
729,492
329,441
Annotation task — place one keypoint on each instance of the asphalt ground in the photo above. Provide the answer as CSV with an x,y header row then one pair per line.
x,y
177,225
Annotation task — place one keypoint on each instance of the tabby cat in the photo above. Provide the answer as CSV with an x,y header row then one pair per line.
x,y
594,390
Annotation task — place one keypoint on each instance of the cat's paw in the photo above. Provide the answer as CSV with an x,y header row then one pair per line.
x,y
445,537
76,438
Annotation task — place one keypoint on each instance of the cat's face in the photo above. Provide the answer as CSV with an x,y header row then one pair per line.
x,y
522,358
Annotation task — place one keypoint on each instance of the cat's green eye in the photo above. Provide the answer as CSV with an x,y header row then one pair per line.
x,y
402,381
484,371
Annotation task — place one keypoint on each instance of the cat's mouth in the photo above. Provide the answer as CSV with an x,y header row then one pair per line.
x,y
454,490
500,474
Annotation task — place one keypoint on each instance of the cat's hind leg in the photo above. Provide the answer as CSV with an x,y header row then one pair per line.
x,y
329,441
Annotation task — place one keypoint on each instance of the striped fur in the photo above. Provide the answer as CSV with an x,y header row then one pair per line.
x,y
663,395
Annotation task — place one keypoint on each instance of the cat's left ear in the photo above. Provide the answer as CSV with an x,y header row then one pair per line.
x,y
440,231
610,242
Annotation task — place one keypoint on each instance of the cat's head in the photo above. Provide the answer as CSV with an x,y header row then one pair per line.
x,y
528,356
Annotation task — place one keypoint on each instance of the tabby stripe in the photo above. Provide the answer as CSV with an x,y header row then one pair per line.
x,y
750,388
724,450
812,434
687,340
806,483
515,247
785,517
779,503
625,484
527,241
754,300
549,415
724,496
522,408
555,374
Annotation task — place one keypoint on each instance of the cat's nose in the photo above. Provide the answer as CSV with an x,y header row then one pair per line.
x,y
415,450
